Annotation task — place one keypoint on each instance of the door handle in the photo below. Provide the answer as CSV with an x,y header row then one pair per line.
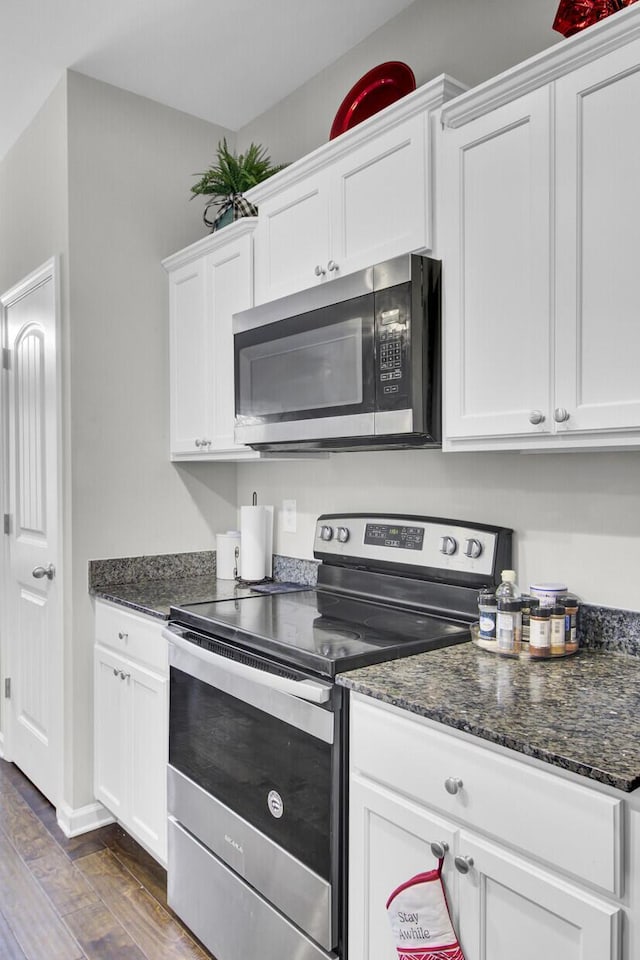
x,y
39,572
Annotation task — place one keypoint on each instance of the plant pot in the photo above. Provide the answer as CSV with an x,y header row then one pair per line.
x,y
229,209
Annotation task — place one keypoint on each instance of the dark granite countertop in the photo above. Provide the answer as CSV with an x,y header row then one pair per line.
x,y
580,713
154,597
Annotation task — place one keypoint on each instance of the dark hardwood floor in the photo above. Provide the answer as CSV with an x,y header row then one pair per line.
x,y
99,896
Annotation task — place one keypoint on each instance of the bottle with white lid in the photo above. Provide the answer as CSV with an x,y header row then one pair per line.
x,y
508,589
547,593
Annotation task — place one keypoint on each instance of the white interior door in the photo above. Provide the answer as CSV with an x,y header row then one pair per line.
x,y
31,588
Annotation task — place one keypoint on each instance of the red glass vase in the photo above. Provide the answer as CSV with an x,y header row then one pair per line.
x,y
575,15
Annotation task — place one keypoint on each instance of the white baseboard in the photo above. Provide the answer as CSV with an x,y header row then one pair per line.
x,y
73,822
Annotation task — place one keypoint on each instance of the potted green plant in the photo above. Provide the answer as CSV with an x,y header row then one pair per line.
x,y
228,178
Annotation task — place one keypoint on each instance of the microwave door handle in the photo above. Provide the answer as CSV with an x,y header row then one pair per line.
x,y
309,690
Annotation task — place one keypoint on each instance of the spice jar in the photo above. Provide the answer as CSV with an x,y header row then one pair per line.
x,y
570,604
556,619
540,632
487,610
509,626
527,603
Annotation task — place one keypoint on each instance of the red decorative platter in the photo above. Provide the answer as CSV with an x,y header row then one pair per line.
x,y
378,88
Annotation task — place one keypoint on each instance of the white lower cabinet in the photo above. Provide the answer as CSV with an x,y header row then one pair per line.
x,y
509,892
131,725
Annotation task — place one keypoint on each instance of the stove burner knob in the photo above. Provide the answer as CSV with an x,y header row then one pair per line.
x,y
342,534
472,548
448,546
326,533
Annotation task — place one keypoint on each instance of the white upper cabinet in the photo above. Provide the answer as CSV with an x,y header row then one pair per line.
x,y
540,222
598,239
208,282
357,200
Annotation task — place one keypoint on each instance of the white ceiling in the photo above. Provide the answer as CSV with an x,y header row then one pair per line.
x,y
225,61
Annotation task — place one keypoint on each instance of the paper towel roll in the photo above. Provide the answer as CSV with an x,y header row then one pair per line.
x,y
256,534
226,564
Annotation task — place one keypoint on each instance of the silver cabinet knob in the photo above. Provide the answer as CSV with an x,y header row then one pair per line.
x,y
39,572
463,864
342,534
560,415
122,635
472,548
439,848
536,417
319,271
201,442
452,785
125,676
448,546
115,672
332,266
326,533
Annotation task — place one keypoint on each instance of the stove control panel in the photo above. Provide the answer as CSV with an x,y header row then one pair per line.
x,y
447,547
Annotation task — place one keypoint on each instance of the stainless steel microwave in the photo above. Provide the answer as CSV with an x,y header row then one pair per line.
x,y
351,364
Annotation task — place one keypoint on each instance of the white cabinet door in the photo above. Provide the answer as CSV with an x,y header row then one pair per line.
x,y
149,732
131,736
292,239
389,842
229,289
191,361
598,238
111,731
509,908
379,197
496,238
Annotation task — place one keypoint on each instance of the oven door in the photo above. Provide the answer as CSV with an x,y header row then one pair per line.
x,y
254,776
310,376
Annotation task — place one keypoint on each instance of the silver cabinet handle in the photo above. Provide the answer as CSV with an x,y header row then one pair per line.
x,y
452,785
463,864
332,266
39,572
203,443
319,271
122,635
561,415
124,676
536,417
115,672
439,848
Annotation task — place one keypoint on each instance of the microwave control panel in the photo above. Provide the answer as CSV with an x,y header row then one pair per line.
x,y
393,338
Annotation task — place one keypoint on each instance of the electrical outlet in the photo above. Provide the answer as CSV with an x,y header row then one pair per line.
x,y
289,516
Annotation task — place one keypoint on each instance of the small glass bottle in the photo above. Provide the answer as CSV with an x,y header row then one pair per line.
x,y
539,632
509,626
570,604
508,589
556,619
487,610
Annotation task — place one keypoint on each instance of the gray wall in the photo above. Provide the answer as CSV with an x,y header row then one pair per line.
x,y
467,39
131,163
577,515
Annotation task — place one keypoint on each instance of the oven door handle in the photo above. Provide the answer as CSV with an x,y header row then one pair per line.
x,y
310,690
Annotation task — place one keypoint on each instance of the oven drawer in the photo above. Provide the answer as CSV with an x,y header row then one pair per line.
x,y
572,827
224,912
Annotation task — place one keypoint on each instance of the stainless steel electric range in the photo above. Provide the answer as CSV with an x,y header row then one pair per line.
x,y
258,732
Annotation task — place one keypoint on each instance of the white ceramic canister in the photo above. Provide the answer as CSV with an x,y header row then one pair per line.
x,y
547,593
227,564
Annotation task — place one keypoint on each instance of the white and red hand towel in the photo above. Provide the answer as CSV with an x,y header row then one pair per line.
x,y
420,921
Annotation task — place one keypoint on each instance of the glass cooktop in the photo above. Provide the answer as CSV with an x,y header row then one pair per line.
x,y
320,631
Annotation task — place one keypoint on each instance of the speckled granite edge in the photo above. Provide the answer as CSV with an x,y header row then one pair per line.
x,y
165,566
604,628
294,570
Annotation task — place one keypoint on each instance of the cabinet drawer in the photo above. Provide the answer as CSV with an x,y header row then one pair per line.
x,y
564,824
134,635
